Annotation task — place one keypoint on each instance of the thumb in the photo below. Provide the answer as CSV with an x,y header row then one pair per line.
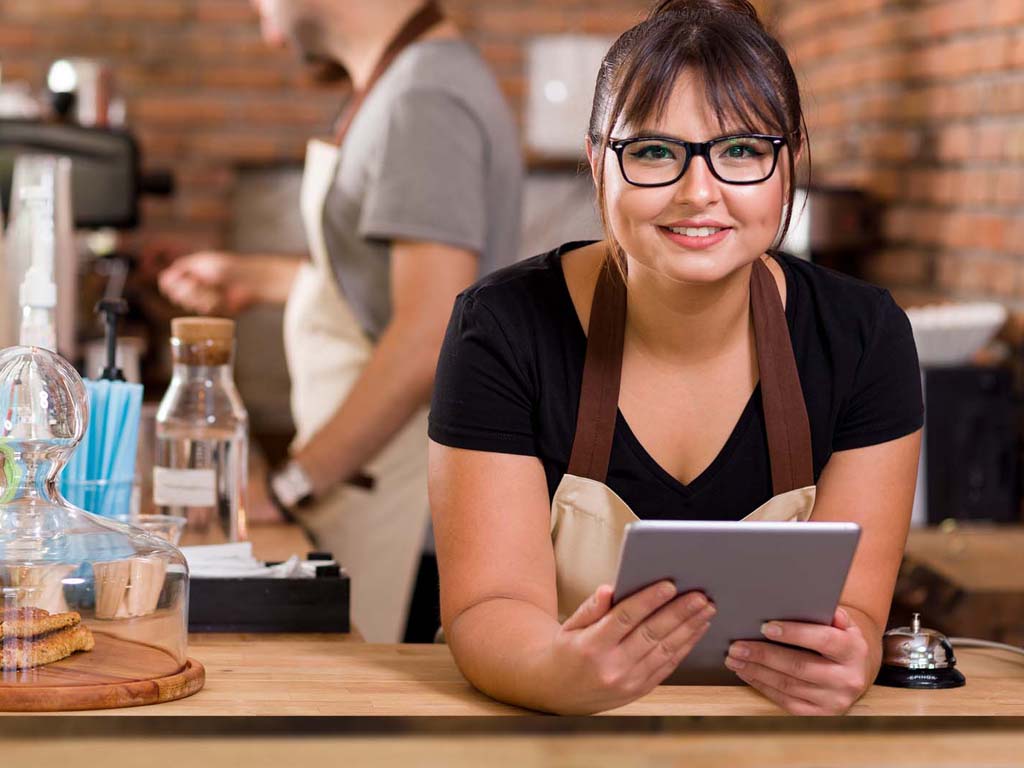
x,y
841,620
592,609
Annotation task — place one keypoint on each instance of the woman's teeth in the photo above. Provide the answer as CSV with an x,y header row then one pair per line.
x,y
695,231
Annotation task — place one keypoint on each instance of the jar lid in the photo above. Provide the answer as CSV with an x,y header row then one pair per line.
x,y
192,330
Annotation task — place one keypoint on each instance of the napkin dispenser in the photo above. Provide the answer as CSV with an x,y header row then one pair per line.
x,y
269,597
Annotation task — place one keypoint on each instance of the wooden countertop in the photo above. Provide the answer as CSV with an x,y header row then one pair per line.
x,y
329,675
323,675
694,750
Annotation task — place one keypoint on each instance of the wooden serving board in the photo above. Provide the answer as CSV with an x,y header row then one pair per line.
x,y
116,673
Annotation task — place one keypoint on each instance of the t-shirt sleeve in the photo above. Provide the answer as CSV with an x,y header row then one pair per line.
x,y
483,397
885,402
427,177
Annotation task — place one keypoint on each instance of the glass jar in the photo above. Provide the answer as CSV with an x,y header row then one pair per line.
x,y
81,597
200,468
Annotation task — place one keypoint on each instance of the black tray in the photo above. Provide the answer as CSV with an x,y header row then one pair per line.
x,y
271,605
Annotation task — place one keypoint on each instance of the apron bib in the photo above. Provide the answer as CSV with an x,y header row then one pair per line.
x,y
588,519
375,529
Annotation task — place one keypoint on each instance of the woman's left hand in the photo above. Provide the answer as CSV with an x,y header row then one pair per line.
x,y
825,679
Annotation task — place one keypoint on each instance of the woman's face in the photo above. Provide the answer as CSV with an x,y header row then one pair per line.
x,y
642,219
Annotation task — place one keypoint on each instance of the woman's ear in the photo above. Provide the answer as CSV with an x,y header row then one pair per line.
x,y
590,157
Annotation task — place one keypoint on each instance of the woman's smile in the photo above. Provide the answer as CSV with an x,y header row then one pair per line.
x,y
695,238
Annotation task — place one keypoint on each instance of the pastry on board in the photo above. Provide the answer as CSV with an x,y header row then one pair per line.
x,y
31,622
32,637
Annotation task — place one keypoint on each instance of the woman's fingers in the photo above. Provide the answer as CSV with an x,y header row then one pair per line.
x,y
751,672
632,612
792,704
803,665
663,659
669,627
835,643
592,609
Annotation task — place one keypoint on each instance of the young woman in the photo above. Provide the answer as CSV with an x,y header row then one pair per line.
x,y
680,369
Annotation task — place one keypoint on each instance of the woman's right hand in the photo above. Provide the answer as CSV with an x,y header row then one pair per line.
x,y
609,656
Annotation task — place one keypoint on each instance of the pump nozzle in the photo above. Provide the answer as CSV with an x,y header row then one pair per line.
x,y
112,309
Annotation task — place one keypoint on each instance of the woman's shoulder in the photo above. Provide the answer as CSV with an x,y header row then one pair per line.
x,y
841,304
829,283
533,287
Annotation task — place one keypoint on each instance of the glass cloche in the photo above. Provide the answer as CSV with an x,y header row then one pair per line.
x,y
84,599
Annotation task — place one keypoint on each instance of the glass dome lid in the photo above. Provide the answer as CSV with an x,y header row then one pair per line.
x,y
83,599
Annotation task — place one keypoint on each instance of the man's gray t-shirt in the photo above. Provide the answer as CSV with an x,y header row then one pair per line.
x,y
432,155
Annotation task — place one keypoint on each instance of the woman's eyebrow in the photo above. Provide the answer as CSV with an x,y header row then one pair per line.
x,y
653,133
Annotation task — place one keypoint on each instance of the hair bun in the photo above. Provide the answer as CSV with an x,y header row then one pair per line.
x,y
741,7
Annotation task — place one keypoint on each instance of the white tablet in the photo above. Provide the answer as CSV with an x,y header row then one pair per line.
x,y
753,572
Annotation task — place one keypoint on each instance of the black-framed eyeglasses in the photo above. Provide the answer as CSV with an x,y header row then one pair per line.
x,y
658,161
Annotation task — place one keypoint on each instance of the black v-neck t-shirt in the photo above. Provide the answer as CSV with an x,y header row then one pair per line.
x,y
509,375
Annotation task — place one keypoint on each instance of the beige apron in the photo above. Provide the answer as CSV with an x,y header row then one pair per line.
x,y
588,518
375,533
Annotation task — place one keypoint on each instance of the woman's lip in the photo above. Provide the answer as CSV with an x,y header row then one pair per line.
x,y
695,243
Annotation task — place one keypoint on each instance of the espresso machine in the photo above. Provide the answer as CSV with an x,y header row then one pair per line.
x,y
98,186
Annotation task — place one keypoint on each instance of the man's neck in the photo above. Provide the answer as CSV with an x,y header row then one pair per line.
x,y
361,40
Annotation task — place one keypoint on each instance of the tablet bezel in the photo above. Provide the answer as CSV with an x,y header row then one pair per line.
x,y
776,582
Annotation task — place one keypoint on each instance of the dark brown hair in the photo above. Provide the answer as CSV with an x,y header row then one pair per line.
x,y
748,80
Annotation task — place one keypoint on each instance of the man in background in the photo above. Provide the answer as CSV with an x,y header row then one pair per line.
x,y
418,195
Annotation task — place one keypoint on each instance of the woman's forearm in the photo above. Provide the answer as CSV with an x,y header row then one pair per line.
x,y
503,647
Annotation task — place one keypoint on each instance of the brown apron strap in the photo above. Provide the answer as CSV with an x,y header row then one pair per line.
x,y
785,413
602,369
418,24
789,434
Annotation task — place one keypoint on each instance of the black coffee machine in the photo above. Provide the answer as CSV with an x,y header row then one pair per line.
x,y
106,178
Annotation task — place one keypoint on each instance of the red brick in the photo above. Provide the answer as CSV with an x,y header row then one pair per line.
x,y
974,231
946,18
142,10
232,147
1009,189
185,110
13,35
1004,13
226,12
1000,277
238,77
956,142
261,111
903,266
47,10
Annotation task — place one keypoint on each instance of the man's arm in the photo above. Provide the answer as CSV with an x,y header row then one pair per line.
x,y
225,283
398,379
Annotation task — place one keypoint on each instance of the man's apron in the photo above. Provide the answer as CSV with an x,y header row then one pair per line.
x,y
587,517
375,533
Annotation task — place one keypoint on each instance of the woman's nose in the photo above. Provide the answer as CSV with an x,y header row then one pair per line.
x,y
698,186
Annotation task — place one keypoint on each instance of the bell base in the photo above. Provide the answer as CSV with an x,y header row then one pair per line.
x,y
920,679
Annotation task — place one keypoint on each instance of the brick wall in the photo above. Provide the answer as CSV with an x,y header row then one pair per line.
x,y
206,97
922,102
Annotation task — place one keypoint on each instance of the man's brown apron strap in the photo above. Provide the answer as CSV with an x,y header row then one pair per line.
x,y
418,24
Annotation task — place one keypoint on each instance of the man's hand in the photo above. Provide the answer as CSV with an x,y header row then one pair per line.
x,y
223,283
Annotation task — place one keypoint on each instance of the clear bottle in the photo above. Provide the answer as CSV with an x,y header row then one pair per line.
x,y
202,432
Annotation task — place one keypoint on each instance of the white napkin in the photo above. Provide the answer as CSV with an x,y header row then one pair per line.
x,y
236,561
